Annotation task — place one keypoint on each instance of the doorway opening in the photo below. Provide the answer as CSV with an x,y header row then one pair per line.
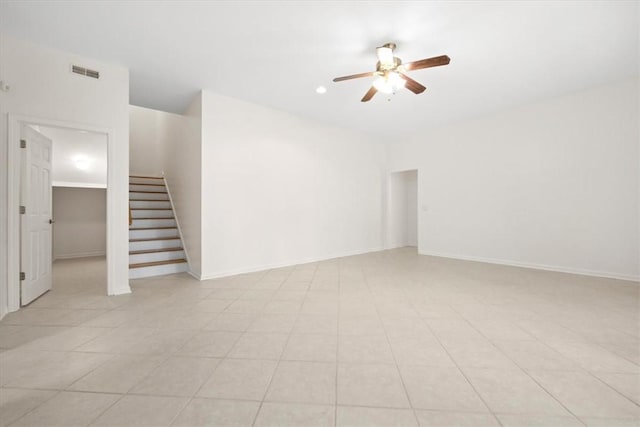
x,y
79,198
63,192
402,210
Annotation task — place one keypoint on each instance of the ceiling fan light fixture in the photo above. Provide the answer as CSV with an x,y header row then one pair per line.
x,y
385,56
381,85
395,80
390,74
389,83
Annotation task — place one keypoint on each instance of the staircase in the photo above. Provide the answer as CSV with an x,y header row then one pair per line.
x,y
155,247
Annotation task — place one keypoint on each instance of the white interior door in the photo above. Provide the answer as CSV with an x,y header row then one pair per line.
x,y
35,260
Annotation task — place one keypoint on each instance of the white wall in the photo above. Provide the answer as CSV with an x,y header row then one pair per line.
x,y
43,87
278,189
182,141
551,185
80,227
145,141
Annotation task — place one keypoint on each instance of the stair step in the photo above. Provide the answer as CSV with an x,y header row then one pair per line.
x,y
151,233
151,251
142,214
151,228
151,244
154,217
149,205
157,270
146,185
154,238
145,181
155,255
146,177
145,191
154,263
146,196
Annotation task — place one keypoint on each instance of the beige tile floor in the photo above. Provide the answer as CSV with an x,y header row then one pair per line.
x,y
387,338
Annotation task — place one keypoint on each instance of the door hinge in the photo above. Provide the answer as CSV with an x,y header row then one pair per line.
x,y
23,210
23,143
22,276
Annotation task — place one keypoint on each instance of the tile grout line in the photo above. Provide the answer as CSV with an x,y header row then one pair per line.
x,y
335,409
580,369
202,384
395,360
266,391
57,392
522,369
598,345
164,356
463,374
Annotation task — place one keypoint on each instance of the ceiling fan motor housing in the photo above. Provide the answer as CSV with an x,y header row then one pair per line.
x,y
389,67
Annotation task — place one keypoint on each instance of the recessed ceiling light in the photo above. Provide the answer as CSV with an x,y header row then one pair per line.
x,y
321,89
82,162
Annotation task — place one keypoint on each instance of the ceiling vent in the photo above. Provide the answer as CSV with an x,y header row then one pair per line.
x,y
85,71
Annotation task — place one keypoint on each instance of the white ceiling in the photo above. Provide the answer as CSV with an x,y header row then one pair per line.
x,y
79,159
276,53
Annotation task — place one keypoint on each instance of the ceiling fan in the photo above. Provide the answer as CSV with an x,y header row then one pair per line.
x,y
390,72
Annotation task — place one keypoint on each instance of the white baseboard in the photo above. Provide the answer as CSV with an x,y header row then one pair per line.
x,y
122,290
194,275
388,248
80,255
535,266
283,264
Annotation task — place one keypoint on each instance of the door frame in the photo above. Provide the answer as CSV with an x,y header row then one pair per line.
x,y
13,202
387,206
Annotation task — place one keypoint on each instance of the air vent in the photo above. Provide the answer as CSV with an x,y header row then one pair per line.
x,y
85,71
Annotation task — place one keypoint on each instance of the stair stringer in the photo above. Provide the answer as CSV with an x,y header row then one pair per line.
x,y
175,216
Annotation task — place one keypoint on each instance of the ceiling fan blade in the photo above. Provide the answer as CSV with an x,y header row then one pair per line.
x,y
367,96
354,76
412,85
427,63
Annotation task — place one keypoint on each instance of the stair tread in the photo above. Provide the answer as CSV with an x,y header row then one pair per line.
x,y
151,209
145,183
153,251
154,238
152,192
152,217
151,228
149,177
154,263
